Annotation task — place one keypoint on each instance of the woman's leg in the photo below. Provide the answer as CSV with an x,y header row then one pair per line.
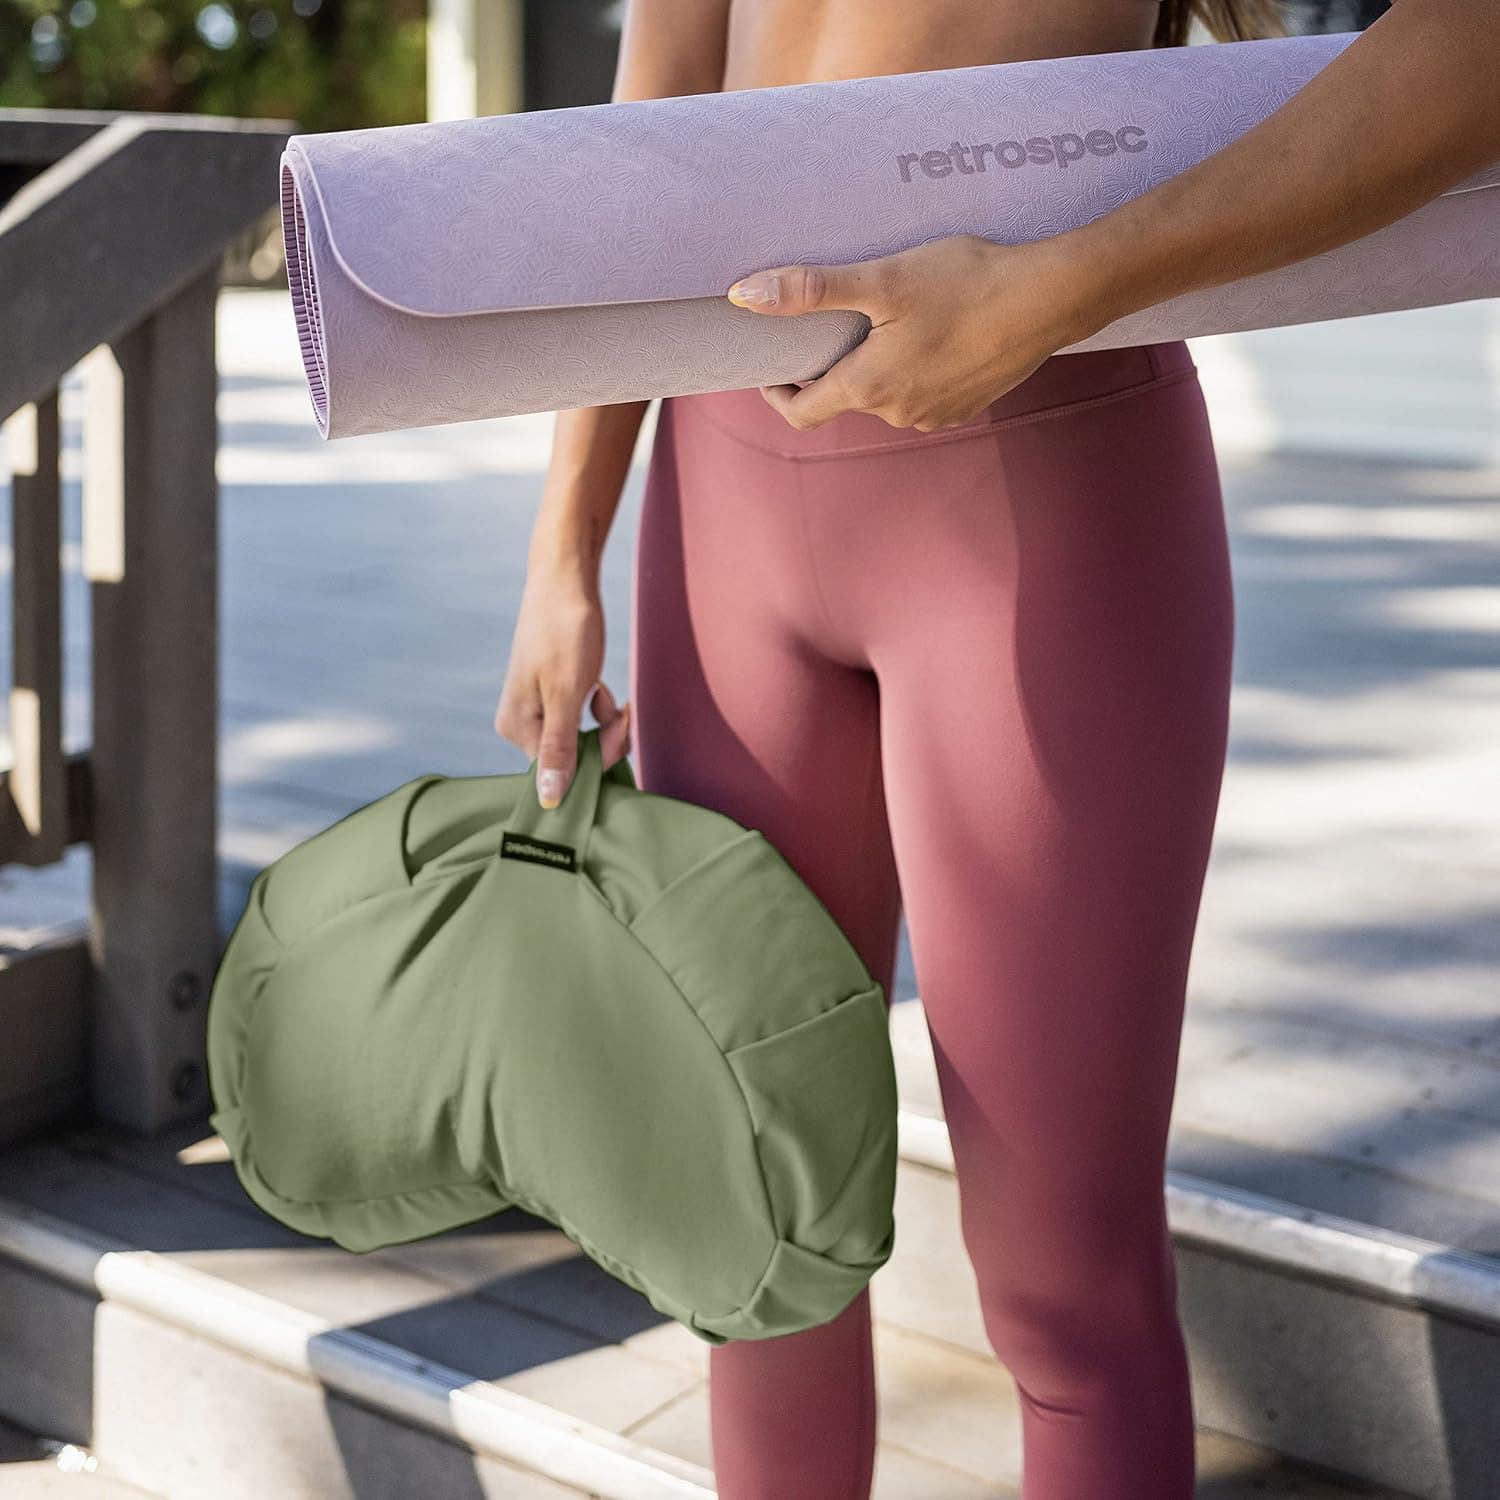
x,y
1045,599
1048,607
742,703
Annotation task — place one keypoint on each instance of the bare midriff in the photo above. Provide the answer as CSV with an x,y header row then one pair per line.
x,y
775,42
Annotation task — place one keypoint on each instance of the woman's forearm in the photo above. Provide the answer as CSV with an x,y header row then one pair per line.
x,y
667,48
591,452
1407,109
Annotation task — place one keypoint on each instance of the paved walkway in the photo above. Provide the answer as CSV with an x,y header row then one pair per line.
x,y
1343,1045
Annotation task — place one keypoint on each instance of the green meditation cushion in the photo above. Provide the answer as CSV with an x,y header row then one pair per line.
x,y
626,1014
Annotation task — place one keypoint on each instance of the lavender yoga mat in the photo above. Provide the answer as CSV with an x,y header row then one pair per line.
x,y
464,269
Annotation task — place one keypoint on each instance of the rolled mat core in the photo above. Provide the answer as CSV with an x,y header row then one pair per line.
x,y
466,269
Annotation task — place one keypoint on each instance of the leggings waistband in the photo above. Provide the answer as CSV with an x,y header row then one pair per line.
x,y
1062,383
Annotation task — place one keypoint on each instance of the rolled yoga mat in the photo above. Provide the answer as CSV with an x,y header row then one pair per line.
x,y
465,269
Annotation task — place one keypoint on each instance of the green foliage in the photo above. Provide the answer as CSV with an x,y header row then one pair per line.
x,y
324,64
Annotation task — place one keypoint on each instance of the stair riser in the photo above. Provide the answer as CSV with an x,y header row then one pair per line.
x,y
186,1417
1380,1390
46,1353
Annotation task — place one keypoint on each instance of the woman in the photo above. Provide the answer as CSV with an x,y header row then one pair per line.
x,y
953,626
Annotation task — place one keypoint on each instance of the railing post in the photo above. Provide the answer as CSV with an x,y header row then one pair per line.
x,y
151,556
37,783
474,58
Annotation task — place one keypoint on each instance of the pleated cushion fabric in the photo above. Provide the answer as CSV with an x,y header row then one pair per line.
x,y
627,1015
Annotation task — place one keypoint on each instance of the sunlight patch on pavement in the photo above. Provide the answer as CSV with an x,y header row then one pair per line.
x,y
1433,523
247,754
1420,384
265,465
1419,772
1454,608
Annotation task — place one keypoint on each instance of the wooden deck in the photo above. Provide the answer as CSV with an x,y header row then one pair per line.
x,y
1343,1043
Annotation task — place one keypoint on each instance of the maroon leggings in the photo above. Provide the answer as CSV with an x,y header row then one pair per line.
x,y
991,663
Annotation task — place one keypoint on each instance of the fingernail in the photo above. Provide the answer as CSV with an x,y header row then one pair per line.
x,y
549,788
763,290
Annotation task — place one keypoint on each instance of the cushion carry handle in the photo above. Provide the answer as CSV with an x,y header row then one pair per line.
x,y
531,828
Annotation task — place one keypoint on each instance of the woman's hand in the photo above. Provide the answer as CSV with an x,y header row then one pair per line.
x,y
556,656
955,323
958,322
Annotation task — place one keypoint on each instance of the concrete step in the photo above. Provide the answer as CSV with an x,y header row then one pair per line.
x,y
34,1467
148,1310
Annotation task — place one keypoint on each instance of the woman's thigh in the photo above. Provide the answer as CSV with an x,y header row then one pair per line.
x,y
738,703
1049,613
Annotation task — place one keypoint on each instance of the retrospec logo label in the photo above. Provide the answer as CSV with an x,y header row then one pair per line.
x,y
1038,150
538,851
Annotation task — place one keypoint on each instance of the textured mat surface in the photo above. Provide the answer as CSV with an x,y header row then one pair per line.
x,y
465,269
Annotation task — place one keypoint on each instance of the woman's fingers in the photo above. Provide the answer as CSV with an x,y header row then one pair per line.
x,y
557,749
614,739
846,387
603,704
862,286
557,746
614,721
518,717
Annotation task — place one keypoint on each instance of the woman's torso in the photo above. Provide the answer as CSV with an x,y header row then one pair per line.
x,y
774,42
800,41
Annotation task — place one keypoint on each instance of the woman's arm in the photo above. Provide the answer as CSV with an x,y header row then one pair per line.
x,y
1407,109
667,47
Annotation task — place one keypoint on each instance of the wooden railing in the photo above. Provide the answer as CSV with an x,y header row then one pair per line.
x,y
109,264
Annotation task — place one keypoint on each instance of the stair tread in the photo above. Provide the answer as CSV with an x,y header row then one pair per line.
x,y
29,1471
516,1305
41,1479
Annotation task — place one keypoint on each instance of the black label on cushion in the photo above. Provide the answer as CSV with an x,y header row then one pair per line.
x,y
538,851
